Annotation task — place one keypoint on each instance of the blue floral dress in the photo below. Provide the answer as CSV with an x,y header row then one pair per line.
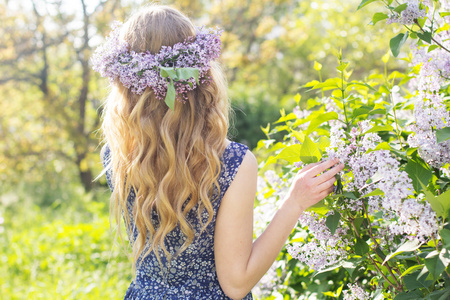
x,y
191,274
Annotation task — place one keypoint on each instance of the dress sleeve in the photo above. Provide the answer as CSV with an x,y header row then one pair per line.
x,y
232,158
105,156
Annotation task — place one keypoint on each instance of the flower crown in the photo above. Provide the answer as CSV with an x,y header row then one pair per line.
x,y
171,73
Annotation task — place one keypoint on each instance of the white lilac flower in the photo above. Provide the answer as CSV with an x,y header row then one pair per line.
x,y
430,114
324,249
355,292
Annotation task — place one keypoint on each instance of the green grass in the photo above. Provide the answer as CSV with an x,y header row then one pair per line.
x,y
61,252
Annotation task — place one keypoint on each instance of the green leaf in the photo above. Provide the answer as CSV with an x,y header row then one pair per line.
x,y
290,153
170,96
419,174
321,118
380,128
381,146
319,208
349,265
425,36
361,247
329,84
323,143
442,134
377,17
377,111
432,47
411,269
364,3
436,262
309,152
348,195
361,110
332,221
401,8
408,246
168,72
415,281
411,295
376,192
441,294
187,73
362,84
342,66
440,204
445,236
397,42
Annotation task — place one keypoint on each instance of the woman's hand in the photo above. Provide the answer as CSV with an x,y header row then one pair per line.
x,y
310,186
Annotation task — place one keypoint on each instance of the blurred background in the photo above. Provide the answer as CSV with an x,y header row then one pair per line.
x,y
55,241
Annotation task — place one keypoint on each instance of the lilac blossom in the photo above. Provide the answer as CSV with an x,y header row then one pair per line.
x,y
397,204
355,292
324,249
411,13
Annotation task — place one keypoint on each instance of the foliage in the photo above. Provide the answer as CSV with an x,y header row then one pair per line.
x,y
387,222
60,252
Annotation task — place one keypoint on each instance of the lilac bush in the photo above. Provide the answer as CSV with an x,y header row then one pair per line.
x,y
387,223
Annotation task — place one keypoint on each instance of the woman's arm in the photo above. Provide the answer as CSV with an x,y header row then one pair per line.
x,y
240,262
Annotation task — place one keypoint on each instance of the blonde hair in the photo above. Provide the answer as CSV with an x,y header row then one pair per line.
x,y
168,157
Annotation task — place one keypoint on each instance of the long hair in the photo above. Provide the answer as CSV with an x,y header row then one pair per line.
x,y
167,157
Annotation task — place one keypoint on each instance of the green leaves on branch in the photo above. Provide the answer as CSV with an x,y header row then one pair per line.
x,y
377,17
180,74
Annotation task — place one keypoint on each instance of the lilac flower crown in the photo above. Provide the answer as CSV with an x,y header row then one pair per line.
x,y
171,73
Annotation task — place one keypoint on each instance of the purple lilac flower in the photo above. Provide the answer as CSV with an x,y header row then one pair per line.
x,y
325,248
139,71
408,215
411,13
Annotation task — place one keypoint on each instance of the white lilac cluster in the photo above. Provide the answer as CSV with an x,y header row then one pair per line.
x,y
409,216
409,15
139,71
430,112
355,292
324,249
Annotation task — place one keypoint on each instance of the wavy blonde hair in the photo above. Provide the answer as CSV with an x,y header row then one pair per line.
x,y
168,157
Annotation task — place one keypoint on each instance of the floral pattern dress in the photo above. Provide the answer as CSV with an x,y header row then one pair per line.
x,y
191,274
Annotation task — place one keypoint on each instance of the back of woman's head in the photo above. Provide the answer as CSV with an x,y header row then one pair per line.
x,y
167,156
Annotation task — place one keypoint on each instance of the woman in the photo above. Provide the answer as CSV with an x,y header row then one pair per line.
x,y
186,193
